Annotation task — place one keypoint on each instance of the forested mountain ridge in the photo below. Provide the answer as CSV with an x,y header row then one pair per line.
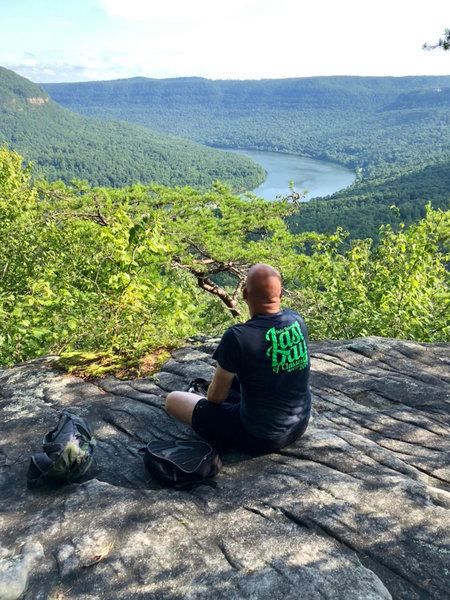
x,y
67,146
394,131
353,120
333,91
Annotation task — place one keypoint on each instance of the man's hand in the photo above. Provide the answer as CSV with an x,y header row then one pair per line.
x,y
220,385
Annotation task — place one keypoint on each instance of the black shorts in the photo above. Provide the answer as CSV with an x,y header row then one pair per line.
x,y
221,423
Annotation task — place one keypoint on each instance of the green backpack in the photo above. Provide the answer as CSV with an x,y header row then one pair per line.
x,y
67,452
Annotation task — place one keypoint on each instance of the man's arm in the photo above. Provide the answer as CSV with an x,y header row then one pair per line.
x,y
220,385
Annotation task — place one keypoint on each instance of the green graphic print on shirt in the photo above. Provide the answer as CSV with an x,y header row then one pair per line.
x,y
288,348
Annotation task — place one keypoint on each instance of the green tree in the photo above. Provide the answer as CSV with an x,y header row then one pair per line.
x,y
125,272
443,43
74,274
398,288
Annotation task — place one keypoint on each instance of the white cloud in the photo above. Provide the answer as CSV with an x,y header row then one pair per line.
x,y
169,10
29,62
279,38
181,11
233,39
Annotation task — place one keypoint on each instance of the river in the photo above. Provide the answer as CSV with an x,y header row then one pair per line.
x,y
319,178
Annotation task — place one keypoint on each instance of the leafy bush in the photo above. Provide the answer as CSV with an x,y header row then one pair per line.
x,y
125,272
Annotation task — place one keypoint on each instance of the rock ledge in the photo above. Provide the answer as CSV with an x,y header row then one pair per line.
x,y
356,509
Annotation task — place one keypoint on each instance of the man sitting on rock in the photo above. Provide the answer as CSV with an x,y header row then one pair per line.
x,y
259,398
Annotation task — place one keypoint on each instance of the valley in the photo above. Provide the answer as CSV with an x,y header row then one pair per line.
x,y
65,146
393,132
125,232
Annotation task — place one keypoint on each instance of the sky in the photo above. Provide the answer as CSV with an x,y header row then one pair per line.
x,y
85,40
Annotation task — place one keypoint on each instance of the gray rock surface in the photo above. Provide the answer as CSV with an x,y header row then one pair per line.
x,y
14,570
357,509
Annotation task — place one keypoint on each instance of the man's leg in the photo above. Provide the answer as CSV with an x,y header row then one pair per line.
x,y
217,423
181,405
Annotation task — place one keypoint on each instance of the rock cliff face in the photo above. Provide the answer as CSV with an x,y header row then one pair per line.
x,y
37,101
356,509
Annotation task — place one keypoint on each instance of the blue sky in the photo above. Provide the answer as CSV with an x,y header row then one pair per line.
x,y
82,40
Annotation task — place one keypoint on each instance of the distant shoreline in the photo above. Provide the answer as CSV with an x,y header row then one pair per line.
x,y
318,177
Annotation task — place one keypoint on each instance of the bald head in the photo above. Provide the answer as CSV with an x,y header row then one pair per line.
x,y
263,289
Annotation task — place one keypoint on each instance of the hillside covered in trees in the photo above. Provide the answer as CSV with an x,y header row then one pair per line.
x,y
116,274
109,273
67,146
394,132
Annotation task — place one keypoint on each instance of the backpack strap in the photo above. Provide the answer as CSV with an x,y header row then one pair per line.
x,y
42,462
40,465
51,447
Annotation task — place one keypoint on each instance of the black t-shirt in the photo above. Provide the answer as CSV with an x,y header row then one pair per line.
x,y
269,354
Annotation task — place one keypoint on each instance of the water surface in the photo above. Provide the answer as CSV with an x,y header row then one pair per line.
x,y
319,178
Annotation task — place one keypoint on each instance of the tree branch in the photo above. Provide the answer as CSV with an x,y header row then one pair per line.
x,y
205,283
97,218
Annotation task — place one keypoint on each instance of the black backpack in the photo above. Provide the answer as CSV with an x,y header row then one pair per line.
x,y
67,452
198,386
183,464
